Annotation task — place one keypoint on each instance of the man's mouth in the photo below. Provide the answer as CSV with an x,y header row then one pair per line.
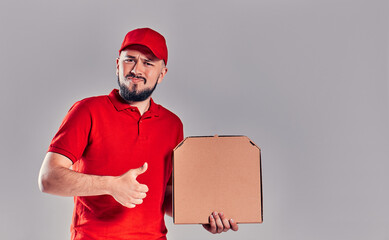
x,y
135,79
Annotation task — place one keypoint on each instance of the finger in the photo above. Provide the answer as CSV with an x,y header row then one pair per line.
x,y
212,224
129,205
142,188
137,198
136,201
140,170
139,195
225,222
234,225
219,223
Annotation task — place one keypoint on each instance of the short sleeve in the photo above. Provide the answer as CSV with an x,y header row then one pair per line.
x,y
73,134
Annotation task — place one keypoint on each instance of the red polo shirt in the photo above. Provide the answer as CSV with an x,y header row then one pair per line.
x,y
106,136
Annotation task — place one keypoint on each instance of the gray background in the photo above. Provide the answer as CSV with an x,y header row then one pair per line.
x,y
306,80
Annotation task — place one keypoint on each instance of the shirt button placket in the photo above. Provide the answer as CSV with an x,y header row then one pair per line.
x,y
139,127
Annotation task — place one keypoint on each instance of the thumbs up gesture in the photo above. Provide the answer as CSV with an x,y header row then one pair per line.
x,y
127,190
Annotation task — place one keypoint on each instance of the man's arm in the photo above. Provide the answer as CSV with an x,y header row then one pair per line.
x,y
56,177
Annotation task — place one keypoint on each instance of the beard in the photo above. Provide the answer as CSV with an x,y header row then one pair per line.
x,y
132,95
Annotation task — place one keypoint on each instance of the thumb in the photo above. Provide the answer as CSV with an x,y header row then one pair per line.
x,y
141,170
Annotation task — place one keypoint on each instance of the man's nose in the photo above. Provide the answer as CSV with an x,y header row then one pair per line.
x,y
137,69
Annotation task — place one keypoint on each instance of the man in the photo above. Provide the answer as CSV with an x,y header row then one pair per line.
x,y
113,152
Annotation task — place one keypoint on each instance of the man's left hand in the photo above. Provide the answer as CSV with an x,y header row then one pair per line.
x,y
219,223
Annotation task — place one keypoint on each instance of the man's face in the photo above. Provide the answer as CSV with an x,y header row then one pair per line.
x,y
139,72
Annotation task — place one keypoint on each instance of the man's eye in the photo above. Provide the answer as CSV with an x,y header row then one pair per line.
x,y
149,64
129,60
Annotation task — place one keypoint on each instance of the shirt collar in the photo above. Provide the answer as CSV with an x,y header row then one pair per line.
x,y
120,104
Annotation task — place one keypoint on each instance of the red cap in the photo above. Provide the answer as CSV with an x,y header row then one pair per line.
x,y
149,38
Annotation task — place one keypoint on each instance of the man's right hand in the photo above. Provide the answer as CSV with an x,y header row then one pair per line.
x,y
56,177
127,190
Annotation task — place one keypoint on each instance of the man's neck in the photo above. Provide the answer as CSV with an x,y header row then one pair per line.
x,y
142,106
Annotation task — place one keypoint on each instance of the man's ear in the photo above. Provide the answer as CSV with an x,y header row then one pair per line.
x,y
117,66
162,74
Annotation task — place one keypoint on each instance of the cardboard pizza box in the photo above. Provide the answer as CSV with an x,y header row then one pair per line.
x,y
219,173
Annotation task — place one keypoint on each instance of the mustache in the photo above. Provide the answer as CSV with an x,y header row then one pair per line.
x,y
131,75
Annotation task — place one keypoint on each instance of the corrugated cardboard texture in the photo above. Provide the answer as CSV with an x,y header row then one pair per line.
x,y
220,174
